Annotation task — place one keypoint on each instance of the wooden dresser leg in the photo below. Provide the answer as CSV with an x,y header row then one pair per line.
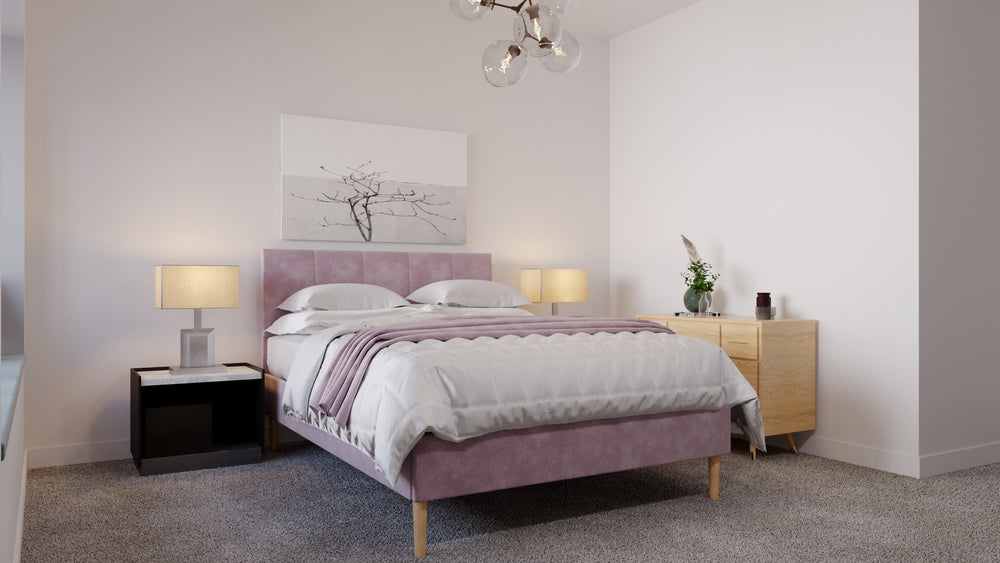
x,y
791,443
272,426
713,477
420,529
753,453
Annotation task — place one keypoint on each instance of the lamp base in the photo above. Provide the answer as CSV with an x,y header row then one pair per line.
x,y
197,348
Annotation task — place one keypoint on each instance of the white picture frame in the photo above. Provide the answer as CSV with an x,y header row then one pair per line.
x,y
365,182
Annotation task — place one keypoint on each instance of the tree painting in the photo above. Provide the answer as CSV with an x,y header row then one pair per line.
x,y
369,182
367,195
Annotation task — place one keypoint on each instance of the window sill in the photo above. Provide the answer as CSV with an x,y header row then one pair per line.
x,y
10,384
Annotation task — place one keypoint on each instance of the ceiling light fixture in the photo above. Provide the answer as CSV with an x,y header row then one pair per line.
x,y
537,33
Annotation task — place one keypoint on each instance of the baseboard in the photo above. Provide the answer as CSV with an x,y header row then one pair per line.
x,y
52,456
956,460
20,512
884,460
867,456
78,453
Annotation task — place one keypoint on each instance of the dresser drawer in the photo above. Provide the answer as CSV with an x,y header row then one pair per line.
x,y
777,357
749,369
740,341
704,331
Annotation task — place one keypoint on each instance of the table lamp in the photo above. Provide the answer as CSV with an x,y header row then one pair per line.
x,y
548,285
197,287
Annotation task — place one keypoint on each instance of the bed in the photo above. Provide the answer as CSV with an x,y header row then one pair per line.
x,y
436,468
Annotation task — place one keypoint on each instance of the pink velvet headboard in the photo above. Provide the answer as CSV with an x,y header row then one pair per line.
x,y
284,272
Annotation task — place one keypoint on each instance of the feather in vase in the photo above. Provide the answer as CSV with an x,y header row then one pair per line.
x,y
692,251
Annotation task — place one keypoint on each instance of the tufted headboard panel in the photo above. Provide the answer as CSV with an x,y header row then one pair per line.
x,y
285,271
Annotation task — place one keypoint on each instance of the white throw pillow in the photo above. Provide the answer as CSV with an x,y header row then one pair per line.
x,y
308,322
469,293
342,297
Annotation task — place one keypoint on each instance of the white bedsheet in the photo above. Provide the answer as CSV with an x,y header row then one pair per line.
x,y
462,388
281,353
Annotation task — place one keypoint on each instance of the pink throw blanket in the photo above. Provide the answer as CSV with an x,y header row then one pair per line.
x,y
335,392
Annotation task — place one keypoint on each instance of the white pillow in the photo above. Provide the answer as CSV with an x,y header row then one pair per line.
x,y
308,322
342,297
469,293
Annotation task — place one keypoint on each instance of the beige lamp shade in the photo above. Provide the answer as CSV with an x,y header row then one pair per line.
x,y
546,285
197,287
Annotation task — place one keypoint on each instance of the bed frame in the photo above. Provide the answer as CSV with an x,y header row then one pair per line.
x,y
437,469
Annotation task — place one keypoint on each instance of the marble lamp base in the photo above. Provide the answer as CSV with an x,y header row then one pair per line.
x,y
197,352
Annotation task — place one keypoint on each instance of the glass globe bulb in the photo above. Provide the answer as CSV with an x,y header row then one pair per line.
x,y
563,6
537,29
470,9
504,63
564,56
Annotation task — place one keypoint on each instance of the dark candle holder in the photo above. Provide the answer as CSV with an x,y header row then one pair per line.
x,y
764,312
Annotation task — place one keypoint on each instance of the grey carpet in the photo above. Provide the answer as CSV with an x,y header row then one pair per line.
x,y
301,504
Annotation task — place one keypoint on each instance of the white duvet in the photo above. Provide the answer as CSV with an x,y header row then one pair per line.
x,y
461,388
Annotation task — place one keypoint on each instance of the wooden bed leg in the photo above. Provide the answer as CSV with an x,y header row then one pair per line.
x,y
791,443
420,529
753,453
713,477
272,425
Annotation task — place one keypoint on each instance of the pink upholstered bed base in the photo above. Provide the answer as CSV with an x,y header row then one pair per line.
x,y
438,469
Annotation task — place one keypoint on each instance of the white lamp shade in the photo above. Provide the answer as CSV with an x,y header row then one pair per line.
x,y
197,287
542,285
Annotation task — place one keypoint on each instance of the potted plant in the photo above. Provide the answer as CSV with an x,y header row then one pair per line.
x,y
701,283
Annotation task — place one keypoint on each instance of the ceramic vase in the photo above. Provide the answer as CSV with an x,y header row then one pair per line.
x,y
691,300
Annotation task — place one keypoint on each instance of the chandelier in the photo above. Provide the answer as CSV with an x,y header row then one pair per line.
x,y
537,33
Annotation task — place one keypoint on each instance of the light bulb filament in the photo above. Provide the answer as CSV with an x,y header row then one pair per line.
x,y
505,63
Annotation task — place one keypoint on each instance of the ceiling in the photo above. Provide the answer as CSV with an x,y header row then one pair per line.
x,y
598,18
608,18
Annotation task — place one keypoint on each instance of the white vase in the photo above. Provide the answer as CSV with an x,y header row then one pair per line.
x,y
704,302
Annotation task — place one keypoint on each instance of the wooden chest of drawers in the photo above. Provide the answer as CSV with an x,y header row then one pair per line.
x,y
777,357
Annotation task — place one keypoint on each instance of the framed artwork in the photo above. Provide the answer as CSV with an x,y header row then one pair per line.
x,y
350,181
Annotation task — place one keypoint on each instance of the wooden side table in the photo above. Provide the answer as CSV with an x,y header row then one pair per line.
x,y
192,421
777,357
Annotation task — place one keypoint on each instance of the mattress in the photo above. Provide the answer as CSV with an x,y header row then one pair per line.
x,y
281,352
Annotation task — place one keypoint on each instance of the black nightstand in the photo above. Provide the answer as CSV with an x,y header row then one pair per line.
x,y
184,422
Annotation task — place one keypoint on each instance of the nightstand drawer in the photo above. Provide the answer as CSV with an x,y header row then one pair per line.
x,y
740,341
704,331
749,370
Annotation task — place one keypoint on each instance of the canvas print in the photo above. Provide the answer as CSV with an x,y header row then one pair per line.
x,y
351,181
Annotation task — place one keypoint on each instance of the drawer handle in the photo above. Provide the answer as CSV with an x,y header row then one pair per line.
x,y
737,342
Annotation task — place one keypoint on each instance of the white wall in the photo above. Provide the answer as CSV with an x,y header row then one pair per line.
x,y
153,137
959,256
780,136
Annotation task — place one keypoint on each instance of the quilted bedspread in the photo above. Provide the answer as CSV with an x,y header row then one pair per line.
x,y
461,388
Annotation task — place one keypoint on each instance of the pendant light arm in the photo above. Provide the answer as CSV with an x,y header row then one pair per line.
x,y
515,9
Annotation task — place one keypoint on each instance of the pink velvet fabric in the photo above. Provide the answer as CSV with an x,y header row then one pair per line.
x,y
515,458
437,469
284,271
